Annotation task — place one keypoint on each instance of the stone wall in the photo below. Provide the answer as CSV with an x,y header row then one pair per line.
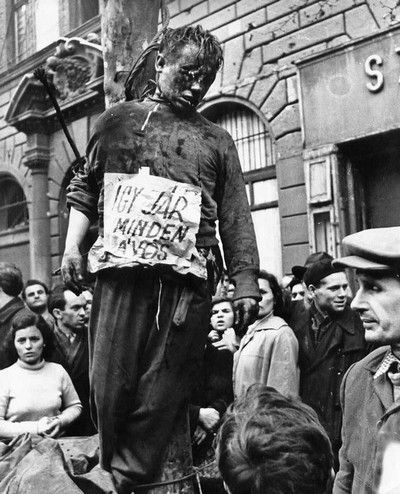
x,y
262,40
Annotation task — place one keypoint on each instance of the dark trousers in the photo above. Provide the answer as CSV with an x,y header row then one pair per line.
x,y
147,334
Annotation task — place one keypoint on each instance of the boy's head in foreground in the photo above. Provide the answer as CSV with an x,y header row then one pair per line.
x,y
270,444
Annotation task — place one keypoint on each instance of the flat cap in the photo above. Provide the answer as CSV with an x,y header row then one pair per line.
x,y
298,271
320,270
376,249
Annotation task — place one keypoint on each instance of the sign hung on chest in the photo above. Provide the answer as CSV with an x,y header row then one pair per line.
x,y
151,220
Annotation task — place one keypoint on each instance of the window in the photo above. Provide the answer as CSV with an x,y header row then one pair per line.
x,y
81,11
323,230
256,154
34,24
22,47
46,23
13,204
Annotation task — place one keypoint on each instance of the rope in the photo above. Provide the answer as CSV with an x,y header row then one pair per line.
x,y
195,474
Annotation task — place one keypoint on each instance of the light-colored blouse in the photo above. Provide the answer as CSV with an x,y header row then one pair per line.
x,y
31,392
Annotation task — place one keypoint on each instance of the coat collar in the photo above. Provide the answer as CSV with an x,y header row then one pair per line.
x,y
381,385
345,319
266,323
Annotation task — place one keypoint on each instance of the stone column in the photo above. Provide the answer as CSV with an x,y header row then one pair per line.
x,y
37,158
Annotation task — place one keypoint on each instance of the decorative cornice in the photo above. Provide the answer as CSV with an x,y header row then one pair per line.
x,y
75,63
76,71
27,65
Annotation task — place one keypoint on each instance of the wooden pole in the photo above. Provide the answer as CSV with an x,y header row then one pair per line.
x,y
127,27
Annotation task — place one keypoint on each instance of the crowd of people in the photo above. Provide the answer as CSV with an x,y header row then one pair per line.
x,y
305,338
288,366
44,361
315,386
290,381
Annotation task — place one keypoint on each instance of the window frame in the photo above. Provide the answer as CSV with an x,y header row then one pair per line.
x,y
227,104
9,179
18,56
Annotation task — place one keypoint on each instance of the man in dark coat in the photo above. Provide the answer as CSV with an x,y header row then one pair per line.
x,y
159,177
331,339
71,349
10,304
371,388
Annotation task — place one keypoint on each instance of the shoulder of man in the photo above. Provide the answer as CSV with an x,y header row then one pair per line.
x,y
216,129
366,366
8,311
117,113
298,314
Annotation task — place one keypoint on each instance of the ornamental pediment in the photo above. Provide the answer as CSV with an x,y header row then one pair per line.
x,y
75,71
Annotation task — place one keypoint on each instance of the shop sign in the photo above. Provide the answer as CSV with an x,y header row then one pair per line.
x,y
351,92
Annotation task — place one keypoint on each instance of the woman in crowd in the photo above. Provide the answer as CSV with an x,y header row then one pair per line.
x,y
214,391
35,396
268,352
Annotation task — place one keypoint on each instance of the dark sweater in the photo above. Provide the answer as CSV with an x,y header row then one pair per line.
x,y
7,313
187,149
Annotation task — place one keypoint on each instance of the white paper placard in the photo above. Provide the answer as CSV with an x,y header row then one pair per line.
x,y
152,220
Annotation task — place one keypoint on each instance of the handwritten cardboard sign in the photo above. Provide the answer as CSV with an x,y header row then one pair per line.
x,y
152,220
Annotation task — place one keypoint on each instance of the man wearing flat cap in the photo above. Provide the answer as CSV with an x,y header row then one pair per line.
x,y
298,272
330,337
371,388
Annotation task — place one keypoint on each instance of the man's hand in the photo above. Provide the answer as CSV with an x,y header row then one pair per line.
x,y
71,268
225,344
208,418
246,310
199,435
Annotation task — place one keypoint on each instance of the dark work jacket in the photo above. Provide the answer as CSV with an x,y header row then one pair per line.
x,y
185,148
79,373
7,313
322,367
214,388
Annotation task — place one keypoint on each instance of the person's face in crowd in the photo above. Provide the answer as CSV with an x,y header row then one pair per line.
x,y
331,293
36,298
231,290
266,304
378,303
29,345
222,316
73,316
89,298
298,292
184,77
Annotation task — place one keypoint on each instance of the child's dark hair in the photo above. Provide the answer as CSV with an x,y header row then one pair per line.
x,y
270,444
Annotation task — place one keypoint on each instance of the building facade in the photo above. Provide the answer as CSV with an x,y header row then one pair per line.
x,y
308,91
